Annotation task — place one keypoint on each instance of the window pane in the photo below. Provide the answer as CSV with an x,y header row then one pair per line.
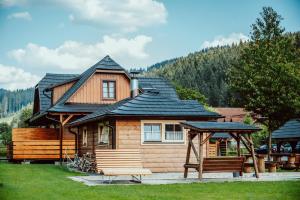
x,y
147,128
111,94
178,127
152,132
156,128
105,90
169,127
111,84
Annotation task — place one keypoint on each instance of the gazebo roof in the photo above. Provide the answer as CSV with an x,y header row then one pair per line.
x,y
290,130
229,127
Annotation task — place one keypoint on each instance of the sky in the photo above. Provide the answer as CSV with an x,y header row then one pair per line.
x,y
68,36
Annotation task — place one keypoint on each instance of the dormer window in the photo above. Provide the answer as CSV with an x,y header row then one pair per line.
x,y
109,89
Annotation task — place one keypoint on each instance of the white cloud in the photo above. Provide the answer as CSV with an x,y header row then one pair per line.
x,y
20,15
15,78
129,15
77,55
233,38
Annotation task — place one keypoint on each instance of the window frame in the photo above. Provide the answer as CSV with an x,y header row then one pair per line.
x,y
173,124
163,140
108,91
84,137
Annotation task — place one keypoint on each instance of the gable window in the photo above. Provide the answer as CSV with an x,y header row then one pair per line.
x,y
109,89
152,132
103,134
84,137
173,132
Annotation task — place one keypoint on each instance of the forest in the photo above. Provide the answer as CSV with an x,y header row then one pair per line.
x,y
206,71
13,101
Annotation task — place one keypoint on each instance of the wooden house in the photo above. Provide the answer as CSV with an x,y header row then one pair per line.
x,y
105,107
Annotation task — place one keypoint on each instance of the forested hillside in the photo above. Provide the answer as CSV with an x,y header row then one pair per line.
x,y
204,71
13,101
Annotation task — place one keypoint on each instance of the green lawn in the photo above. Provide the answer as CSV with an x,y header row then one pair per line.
x,y
50,182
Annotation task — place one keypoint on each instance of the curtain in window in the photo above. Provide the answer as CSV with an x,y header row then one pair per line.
x,y
152,132
173,132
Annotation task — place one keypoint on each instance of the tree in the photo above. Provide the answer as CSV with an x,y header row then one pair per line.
x,y
267,79
5,133
26,114
190,94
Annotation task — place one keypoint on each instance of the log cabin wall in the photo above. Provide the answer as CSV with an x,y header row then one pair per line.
x,y
60,90
91,91
156,157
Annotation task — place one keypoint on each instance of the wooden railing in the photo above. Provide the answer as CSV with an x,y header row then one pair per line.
x,y
42,149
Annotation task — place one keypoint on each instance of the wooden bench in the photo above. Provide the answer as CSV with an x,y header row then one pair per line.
x,y
220,164
223,164
118,162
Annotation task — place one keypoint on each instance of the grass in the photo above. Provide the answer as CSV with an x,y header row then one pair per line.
x,y
38,181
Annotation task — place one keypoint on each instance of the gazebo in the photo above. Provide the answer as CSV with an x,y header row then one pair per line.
x,y
239,131
288,133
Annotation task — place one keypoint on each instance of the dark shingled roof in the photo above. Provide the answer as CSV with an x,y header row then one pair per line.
x,y
291,129
151,104
47,81
221,126
154,104
160,84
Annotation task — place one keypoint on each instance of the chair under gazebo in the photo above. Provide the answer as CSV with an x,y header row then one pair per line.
x,y
205,130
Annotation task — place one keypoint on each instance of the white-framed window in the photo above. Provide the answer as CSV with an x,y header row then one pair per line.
x,y
162,132
152,132
173,132
103,134
84,136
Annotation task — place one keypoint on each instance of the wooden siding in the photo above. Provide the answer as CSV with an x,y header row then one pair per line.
x,y
60,90
91,91
23,134
156,157
40,143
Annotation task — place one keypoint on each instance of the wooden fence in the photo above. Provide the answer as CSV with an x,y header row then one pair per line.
x,y
39,144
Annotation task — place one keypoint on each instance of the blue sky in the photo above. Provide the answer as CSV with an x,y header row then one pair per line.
x,y
68,36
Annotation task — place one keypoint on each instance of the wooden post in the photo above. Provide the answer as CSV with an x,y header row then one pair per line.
x,y
188,153
61,132
93,147
238,143
200,169
253,156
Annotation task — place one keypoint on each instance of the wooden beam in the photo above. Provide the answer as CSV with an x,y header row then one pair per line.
x,y
253,155
194,149
238,143
246,145
207,138
200,169
187,160
67,120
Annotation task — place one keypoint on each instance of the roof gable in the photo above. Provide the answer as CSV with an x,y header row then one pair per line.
x,y
105,64
48,80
